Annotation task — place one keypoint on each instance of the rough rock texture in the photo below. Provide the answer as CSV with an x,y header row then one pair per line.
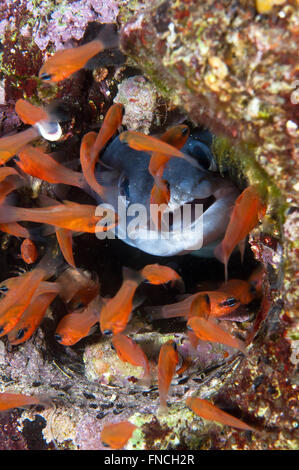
x,y
223,65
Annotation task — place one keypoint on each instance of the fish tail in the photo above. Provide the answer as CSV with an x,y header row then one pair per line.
x,y
131,275
221,255
108,36
50,264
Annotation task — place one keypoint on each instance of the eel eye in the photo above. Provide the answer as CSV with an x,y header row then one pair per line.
x,y
124,188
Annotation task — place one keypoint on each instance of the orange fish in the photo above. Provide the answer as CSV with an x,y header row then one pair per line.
x,y
221,304
147,143
31,318
36,163
15,229
28,251
16,400
69,215
167,363
19,296
65,240
117,311
157,274
129,351
88,163
175,136
116,435
207,330
111,124
77,325
68,61
160,194
247,212
11,144
30,114
241,290
206,410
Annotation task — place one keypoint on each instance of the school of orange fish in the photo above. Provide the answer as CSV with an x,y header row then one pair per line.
x,y
26,298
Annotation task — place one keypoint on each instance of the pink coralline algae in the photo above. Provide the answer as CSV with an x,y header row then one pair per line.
x,y
70,20
57,24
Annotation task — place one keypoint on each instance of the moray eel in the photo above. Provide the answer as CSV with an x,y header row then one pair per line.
x,y
124,173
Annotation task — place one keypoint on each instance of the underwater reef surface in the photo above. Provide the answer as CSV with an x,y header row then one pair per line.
x,y
221,64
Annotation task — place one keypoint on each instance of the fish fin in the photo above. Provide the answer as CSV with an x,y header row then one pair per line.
x,y
221,256
108,36
132,275
241,247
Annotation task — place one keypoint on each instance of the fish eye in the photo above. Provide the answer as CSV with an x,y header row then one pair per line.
x,y
124,188
189,328
45,76
185,131
4,289
21,333
175,346
112,347
229,302
108,332
57,337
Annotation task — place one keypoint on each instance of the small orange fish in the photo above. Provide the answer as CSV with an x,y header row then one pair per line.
x,y
15,229
31,318
221,304
20,293
69,215
11,144
167,363
68,61
16,400
116,435
206,410
247,212
28,251
241,290
200,307
88,163
117,311
111,124
175,136
157,274
207,330
30,114
160,194
36,163
65,240
129,351
147,143
77,325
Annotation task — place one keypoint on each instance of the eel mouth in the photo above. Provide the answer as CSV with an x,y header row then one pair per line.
x,y
187,213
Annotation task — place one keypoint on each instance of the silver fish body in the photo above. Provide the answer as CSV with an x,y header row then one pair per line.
x,y
124,173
